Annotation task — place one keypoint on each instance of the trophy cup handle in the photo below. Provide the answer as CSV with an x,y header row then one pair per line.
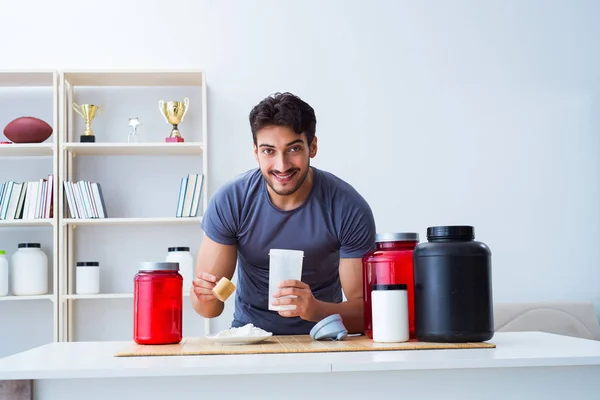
x,y
161,105
186,103
77,109
101,109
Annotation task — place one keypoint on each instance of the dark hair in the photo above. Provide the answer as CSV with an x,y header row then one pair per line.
x,y
284,109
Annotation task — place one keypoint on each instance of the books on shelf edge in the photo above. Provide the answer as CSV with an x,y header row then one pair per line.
x,y
27,200
190,189
85,200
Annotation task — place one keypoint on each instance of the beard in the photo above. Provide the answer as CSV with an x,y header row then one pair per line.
x,y
286,191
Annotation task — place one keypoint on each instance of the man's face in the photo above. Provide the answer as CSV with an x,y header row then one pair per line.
x,y
284,158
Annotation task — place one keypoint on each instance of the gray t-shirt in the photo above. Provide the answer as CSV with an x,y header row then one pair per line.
x,y
334,222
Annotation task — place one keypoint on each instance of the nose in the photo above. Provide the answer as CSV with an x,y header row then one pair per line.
x,y
282,163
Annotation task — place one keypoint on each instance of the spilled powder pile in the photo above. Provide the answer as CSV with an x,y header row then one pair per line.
x,y
248,330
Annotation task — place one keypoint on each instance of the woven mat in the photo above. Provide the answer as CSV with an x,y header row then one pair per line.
x,y
286,344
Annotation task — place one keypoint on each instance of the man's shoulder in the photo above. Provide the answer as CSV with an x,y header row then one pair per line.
x,y
336,189
243,183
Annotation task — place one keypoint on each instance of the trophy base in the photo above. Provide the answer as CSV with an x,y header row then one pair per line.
x,y
175,139
87,139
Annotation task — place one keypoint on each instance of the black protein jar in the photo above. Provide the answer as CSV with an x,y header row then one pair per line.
x,y
453,287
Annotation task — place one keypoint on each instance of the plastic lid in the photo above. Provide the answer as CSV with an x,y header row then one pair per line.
x,y
396,237
159,266
35,245
451,232
2,252
396,286
298,253
88,264
330,327
179,249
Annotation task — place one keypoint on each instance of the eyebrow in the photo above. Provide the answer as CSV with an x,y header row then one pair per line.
x,y
287,145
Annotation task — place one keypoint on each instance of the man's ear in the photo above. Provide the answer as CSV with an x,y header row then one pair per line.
x,y
313,148
255,151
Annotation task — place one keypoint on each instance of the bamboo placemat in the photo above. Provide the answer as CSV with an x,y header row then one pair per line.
x,y
286,344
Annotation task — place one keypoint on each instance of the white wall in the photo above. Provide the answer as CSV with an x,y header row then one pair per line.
x,y
463,112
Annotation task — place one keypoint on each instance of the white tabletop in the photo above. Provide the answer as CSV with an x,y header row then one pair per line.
x,y
96,359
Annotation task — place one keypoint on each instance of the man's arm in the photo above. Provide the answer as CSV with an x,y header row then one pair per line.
x,y
311,309
214,261
350,310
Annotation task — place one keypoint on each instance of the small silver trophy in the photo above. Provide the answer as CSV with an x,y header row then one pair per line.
x,y
133,136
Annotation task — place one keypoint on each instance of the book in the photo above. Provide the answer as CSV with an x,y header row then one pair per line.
x,y
27,200
190,190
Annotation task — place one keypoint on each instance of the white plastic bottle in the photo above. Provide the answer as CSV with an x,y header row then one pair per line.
x,y
185,259
3,274
390,313
29,270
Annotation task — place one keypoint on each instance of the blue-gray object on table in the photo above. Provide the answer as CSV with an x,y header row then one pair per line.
x,y
331,327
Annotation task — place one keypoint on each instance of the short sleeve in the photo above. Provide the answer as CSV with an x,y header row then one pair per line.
x,y
220,221
357,232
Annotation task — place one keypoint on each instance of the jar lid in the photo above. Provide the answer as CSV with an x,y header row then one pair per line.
x,y
396,237
179,249
464,232
88,264
329,328
34,245
159,266
395,286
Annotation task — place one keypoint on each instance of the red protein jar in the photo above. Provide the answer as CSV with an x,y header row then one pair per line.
x,y
391,263
158,303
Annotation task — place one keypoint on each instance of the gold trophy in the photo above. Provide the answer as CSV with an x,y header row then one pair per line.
x,y
88,112
174,111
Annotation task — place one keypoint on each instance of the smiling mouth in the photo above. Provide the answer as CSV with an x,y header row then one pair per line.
x,y
284,178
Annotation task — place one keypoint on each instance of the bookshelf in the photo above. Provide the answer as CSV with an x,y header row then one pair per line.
x,y
140,185
33,320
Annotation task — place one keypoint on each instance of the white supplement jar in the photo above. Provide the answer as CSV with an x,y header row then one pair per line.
x,y
390,313
185,259
3,274
29,270
87,277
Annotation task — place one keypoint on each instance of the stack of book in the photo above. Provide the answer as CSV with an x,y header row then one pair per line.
x,y
27,200
189,195
85,200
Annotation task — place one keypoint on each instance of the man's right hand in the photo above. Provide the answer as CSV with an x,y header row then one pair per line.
x,y
214,261
203,286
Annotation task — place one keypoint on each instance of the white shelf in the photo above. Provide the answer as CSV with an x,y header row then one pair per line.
x,y
135,78
22,298
104,296
26,222
133,149
27,150
31,78
131,221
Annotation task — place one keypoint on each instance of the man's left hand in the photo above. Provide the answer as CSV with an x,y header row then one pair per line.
x,y
304,301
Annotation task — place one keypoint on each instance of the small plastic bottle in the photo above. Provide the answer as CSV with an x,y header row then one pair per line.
x,y
3,274
185,259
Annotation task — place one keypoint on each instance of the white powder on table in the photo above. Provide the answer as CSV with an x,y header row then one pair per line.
x,y
248,330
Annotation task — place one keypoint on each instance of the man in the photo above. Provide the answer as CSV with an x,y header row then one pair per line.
x,y
285,204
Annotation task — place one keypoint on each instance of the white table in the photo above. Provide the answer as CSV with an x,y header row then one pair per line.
x,y
523,366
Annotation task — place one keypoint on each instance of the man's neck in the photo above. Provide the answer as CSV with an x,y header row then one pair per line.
x,y
295,200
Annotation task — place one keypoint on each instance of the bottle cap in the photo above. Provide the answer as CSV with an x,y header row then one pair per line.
x,y
33,245
88,264
458,232
159,266
331,327
181,248
223,289
396,237
2,252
